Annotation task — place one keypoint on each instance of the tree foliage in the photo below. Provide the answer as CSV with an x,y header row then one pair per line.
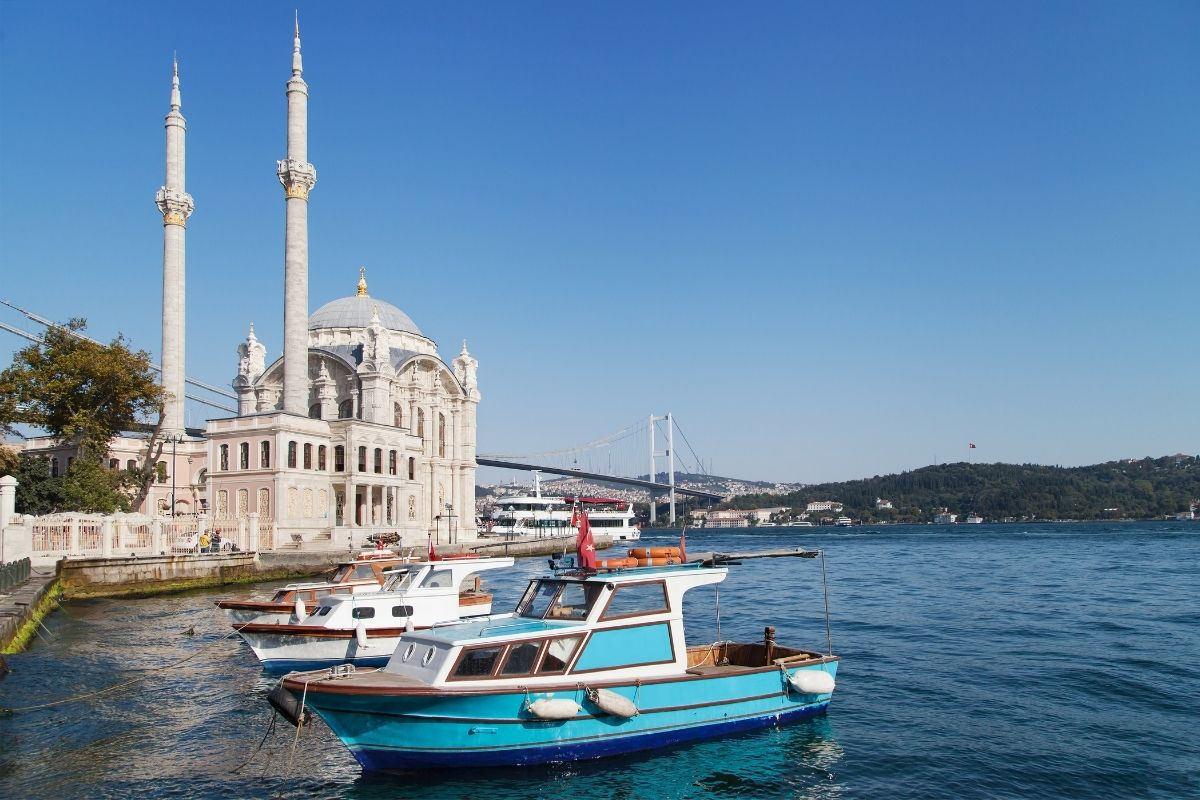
x,y
78,391
1136,488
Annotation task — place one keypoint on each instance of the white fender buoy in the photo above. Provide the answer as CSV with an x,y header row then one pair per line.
x,y
551,708
812,681
612,703
360,633
409,627
301,610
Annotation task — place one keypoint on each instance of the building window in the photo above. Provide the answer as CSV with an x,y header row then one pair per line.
x,y
70,461
379,460
291,455
131,464
224,457
321,458
397,415
161,469
339,459
314,411
264,455
202,477
346,409
114,464
391,462
412,469
362,459
54,467
307,455
441,435
244,455
264,503
421,422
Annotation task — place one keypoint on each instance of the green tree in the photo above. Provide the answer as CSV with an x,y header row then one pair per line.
x,y
82,393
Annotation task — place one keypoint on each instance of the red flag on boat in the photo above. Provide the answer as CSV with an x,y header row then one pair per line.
x,y
584,544
433,556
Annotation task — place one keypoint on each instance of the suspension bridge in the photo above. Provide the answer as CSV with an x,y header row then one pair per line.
x,y
628,457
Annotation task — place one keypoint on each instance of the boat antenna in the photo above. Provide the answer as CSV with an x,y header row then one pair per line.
x,y
825,590
717,587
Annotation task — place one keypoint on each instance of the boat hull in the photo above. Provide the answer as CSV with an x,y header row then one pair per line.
x,y
456,729
281,652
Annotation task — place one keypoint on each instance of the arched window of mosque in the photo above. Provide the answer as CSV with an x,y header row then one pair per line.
x,y
362,459
412,469
391,462
442,435
307,455
291,455
421,422
131,464
244,455
264,455
379,460
202,477
224,457
339,459
397,415
346,409
54,467
314,411
321,458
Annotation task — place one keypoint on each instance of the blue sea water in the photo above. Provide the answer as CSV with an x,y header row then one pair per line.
x,y
1007,661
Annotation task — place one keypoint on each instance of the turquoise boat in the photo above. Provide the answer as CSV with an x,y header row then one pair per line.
x,y
591,664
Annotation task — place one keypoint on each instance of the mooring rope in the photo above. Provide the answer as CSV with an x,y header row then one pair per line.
x,y
147,672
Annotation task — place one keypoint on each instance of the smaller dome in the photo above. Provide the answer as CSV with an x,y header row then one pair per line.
x,y
356,311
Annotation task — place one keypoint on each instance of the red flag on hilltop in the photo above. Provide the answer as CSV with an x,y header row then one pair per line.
x,y
584,543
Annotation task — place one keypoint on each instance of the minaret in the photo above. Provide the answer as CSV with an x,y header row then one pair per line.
x,y
176,206
297,177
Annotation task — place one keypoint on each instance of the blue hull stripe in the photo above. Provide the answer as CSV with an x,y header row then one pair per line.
x,y
303,665
377,758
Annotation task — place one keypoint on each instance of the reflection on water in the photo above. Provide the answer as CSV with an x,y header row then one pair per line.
x,y
1000,662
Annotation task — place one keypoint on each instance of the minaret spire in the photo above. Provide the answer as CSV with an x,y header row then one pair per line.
x,y
298,177
176,206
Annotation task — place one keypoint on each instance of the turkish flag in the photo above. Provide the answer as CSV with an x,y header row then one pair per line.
x,y
433,556
584,544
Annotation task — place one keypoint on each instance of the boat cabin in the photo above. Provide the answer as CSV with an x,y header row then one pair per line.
x,y
624,624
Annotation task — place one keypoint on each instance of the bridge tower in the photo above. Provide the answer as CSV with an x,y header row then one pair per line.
x,y
669,454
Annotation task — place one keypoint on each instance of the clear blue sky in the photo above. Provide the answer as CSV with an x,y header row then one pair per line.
x,y
834,241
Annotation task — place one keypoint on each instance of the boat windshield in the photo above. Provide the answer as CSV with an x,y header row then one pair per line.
x,y
558,600
400,580
341,573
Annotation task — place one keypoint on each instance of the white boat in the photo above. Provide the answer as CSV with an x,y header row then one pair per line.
x,y
801,524
973,519
945,518
843,522
363,629
532,516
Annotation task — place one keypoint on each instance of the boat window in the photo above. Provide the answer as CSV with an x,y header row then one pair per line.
x,y
399,581
365,612
438,579
635,599
427,657
323,610
558,654
537,599
573,602
408,651
521,658
363,571
341,573
402,611
477,662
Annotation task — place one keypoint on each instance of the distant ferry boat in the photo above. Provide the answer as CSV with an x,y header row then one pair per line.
x,y
802,524
973,519
945,518
843,522
534,516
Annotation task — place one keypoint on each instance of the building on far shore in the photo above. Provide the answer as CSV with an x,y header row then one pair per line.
x,y
736,518
824,505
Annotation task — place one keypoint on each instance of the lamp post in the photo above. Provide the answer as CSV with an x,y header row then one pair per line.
x,y
450,516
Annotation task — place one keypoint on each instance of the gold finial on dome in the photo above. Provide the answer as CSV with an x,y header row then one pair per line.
x,y
362,281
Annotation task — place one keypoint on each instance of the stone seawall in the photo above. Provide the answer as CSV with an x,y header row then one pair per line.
x,y
106,577
21,612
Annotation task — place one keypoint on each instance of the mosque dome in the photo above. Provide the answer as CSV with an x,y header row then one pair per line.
x,y
356,311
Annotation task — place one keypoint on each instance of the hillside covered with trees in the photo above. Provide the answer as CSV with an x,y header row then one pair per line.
x,y
1129,489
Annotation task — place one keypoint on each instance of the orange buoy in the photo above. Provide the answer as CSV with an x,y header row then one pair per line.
x,y
657,562
616,563
655,552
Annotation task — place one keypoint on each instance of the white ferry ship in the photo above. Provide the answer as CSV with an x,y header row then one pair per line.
x,y
534,516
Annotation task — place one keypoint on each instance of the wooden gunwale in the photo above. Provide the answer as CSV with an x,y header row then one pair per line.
x,y
467,688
